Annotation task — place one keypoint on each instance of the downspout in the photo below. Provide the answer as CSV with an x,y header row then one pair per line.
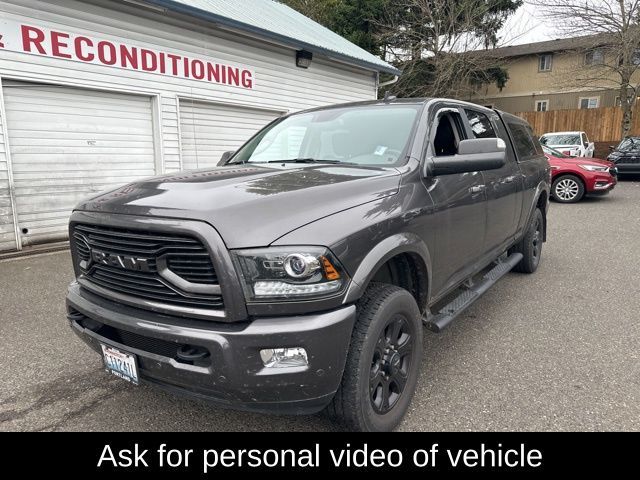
x,y
390,82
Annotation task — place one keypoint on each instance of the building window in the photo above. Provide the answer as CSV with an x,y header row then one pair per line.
x,y
589,102
542,105
594,57
544,62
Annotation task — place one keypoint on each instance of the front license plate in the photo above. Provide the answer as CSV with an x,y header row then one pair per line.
x,y
121,364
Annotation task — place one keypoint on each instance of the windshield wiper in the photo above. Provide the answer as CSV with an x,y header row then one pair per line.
x,y
307,160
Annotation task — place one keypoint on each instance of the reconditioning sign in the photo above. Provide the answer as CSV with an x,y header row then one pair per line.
x,y
36,40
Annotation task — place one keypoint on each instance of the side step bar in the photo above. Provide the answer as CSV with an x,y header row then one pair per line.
x,y
438,322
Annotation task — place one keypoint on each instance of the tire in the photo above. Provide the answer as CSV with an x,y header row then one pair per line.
x,y
388,317
567,189
530,246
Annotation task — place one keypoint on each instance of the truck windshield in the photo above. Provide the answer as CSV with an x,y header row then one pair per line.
x,y
560,139
367,135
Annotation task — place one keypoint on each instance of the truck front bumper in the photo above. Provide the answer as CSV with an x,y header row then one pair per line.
x,y
231,373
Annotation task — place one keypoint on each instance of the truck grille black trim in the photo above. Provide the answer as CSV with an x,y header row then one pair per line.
x,y
136,341
185,256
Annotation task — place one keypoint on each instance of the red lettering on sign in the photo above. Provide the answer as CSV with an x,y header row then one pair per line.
x,y
78,43
107,53
197,69
149,60
58,42
234,76
213,72
174,63
247,79
186,67
32,35
129,57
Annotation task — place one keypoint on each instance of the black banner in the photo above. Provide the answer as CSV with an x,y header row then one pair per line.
x,y
207,455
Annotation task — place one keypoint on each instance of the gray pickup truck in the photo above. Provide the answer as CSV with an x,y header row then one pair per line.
x,y
298,274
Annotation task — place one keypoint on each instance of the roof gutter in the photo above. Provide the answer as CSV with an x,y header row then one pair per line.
x,y
221,21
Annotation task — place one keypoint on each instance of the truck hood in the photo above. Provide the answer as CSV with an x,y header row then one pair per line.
x,y
250,205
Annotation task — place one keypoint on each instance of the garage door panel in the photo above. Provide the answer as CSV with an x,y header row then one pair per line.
x,y
70,143
207,130
86,124
81,142
78,150
35,105
73,114
29,161
59,92
44,136
127,171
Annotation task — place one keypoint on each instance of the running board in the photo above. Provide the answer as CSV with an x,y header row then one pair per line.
x,y
438,322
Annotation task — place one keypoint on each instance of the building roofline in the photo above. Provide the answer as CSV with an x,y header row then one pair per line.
x,y
551,46
296,44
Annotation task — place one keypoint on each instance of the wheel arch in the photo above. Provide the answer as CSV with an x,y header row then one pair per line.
x,y
541,201
395,246
571,173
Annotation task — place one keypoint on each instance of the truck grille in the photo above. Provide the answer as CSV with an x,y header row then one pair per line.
x,y
127,262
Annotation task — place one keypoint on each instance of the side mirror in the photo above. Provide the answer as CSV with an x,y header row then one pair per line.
x,y
611,148
473,155
225,158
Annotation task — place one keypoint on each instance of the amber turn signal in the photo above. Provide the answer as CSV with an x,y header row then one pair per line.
x,y
330,271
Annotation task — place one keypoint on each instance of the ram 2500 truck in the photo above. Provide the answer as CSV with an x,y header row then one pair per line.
x,y
298,275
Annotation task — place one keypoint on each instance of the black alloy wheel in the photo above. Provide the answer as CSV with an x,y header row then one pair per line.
x,y
390,365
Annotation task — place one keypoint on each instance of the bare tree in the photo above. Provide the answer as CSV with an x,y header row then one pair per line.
x,y
436,44
612,47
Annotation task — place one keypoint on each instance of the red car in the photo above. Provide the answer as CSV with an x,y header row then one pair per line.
x,y
574,177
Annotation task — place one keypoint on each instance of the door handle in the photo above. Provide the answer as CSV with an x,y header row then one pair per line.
x,y
510,179
477,188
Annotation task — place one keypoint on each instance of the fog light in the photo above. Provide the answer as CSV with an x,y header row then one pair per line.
x,y
284,357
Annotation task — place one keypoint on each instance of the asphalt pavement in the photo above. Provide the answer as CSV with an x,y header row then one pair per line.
x,y
557,350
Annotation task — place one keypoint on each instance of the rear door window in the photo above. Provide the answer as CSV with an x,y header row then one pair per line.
x,y
523,140
480,124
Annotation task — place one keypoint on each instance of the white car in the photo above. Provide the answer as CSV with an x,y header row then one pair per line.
x,y
574,144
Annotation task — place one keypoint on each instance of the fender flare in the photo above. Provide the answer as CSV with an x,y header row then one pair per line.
x,y
542,188
388,248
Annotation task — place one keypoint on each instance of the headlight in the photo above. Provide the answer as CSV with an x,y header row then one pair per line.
x,y
595,168
289,273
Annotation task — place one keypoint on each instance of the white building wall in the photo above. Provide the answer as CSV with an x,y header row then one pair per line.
x,y
278,84
7,229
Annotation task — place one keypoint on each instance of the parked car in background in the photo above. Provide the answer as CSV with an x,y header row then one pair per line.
x,y
573,144
626,156
574,177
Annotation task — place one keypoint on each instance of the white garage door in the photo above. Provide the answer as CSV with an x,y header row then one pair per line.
x,y
208,130
69,143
